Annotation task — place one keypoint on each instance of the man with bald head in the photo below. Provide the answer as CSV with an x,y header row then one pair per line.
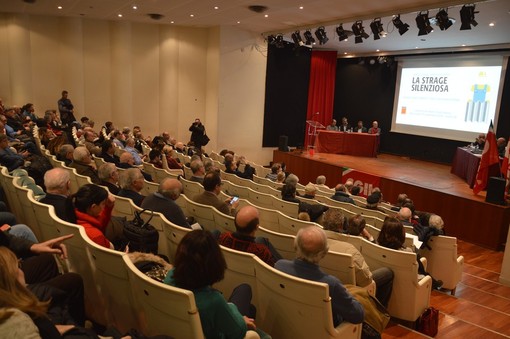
x,y
82,162
58,191
163,201
127,161
311,246
243,239
405,215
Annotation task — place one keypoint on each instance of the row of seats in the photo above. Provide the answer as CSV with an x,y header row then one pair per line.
x,y
118,294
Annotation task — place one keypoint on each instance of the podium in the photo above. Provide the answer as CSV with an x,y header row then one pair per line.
x,y
313,126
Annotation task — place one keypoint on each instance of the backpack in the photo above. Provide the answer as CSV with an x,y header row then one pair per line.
x,y
141,236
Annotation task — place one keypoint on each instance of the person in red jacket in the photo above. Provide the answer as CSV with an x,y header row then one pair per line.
x,y
93,209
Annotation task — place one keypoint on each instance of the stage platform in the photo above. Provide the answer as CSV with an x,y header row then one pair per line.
x,y
431,186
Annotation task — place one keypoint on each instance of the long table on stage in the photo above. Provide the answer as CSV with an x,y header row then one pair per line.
x,y
359,144
465,165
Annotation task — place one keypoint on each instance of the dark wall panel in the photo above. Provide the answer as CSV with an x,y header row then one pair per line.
x,y
287,77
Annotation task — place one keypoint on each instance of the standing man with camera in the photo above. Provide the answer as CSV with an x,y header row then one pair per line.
x,y
66,109
197,134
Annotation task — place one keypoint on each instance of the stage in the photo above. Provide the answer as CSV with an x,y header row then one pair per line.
x,y
431,186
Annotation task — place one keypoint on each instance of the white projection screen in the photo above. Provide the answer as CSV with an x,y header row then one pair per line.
x,y
449,97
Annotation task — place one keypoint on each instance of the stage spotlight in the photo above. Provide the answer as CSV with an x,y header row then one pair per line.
x,y
279,43
359,32
320,33
467,17
377,28
342,34
309,38
442,19
423,23
402,27
296,37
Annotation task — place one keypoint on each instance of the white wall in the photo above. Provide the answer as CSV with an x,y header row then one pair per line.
x,y
160,77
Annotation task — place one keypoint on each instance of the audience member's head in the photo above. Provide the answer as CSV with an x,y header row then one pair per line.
x,y
65,152
321,180
108,172
247,220
333,220
404,214
288,192
198,261
89,199
276,168
280,177
311,244
436,222
310,189
292,179
57,181
131,179
107,147
356,225
197,167
212,182
372,200
340,188
304,216
401,198
355,190
127,158
349,184
170,188
392,234
82,154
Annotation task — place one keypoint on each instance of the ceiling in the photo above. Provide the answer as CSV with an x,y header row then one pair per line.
x,y
286,16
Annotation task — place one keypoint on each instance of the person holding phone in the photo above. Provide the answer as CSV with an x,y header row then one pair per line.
x,y
212,188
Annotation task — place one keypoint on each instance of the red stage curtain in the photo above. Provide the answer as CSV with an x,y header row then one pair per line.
x,y
321,89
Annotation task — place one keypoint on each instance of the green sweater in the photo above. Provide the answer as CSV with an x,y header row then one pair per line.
x,y
219,319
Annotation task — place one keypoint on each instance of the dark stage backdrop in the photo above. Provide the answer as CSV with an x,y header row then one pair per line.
x,y
362,92
287,78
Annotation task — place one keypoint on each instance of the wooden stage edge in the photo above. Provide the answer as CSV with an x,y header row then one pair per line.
x,y
430,185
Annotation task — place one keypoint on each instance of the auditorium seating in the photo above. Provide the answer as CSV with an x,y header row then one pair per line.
x,y
172,235
290,307
191,188
28,217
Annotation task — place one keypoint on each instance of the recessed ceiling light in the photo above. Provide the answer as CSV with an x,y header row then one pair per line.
x,y
463,45
135,7
239,22
172,22
416,47
119,15
216,7
345,53
266,16
301,7
492,24
377,50
59,7
192,15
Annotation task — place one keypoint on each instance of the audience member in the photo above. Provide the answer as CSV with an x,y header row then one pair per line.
x,y
243,239
437,222
310,191
172,162
501,143
117,139
212,188
89,139
291,179
65,154
127,161
356,226
404,215
198,170
333,223
355,191
58,191
163,201
130,147
93,209
155,158
109,176
8,157
320,181
304,216
83,164
342,195
393,236
314,210
131,182
108,152
349,184
199,264
280,178
275,169
311,246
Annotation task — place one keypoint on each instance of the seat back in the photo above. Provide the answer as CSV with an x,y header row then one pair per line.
x,y
172,235
290,307
28,216
240,269
283,243
203,214
290,225
224,222
149,169
410,296
442,260
191,188
112,279
340,265
149,187
163,309
286,207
